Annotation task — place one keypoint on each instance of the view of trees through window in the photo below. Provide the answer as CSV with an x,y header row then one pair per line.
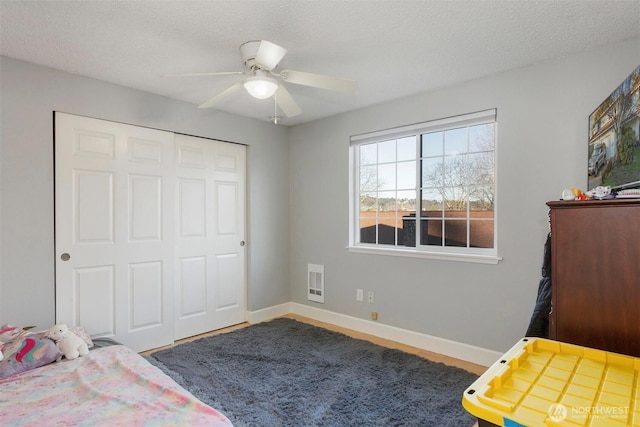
x,y
449,174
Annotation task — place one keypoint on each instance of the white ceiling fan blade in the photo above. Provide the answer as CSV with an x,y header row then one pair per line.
x,y
286,103
219,97
269,55
204,74
319,80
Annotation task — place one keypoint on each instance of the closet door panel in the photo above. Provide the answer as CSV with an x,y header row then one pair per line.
x,y
211,214
114,227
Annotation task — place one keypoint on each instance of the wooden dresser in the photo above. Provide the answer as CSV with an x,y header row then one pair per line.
x,y
595,274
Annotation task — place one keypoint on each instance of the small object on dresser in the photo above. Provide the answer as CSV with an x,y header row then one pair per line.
x,y
568,194
630,193
600,193
574,194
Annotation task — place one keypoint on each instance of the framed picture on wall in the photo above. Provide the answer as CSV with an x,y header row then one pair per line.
x,y
614,137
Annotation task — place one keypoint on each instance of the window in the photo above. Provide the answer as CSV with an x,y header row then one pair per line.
x,y
426,189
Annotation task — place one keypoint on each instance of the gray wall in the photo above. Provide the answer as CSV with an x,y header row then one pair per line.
x,y
542,148
298,192
31,93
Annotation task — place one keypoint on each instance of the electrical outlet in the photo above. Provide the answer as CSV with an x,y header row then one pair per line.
x,y
370,297
359,295
374,315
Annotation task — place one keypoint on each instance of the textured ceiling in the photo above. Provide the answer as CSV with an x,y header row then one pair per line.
x,y
392,48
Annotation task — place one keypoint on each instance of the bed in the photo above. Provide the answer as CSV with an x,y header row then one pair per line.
x,y
112,386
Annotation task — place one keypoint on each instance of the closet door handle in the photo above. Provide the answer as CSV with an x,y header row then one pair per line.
x,y
65,257
242,243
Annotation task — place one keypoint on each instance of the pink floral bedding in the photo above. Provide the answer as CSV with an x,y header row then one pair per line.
x,y
112,386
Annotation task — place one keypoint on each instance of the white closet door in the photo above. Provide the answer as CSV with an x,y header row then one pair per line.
x,y
210,231
114,220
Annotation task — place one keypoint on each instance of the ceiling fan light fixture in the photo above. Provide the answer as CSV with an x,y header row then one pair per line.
x,y
261,87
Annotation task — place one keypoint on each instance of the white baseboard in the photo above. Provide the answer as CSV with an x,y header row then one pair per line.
x,y
470,353
268,313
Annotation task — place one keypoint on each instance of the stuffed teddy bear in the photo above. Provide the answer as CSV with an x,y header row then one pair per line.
x,y
70,345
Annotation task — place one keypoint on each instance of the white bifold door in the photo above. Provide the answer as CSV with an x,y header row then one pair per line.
x,y
149,232
210,228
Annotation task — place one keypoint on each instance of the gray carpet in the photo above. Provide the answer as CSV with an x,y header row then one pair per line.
x,y
288,373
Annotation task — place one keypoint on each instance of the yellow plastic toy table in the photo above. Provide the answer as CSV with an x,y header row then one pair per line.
x,y
540,382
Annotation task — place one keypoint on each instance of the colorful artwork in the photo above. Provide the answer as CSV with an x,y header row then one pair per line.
x,y
614,138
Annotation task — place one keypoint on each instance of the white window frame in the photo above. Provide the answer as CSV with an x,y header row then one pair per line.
x,y
478,255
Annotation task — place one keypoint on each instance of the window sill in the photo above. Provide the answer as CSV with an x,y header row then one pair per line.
x,y
412,253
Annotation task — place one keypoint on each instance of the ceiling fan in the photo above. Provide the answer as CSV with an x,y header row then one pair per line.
x,y
260,59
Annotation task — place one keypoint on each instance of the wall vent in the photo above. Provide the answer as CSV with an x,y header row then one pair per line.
x,y
315,282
